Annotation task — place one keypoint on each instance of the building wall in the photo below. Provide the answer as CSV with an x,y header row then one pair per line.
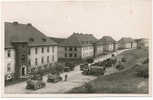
x,y
143,43
69,52
134,45
9,61
52,54
87,51
108,47
99,50
124,45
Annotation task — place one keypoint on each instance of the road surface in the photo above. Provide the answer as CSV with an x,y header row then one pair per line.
x,y
75,79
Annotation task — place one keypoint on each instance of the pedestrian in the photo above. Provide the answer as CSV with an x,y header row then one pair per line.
x,y
66,77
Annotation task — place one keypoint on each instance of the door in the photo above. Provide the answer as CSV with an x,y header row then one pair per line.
x,y
23,71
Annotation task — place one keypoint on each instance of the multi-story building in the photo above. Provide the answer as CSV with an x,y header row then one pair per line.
x,y
143,42
77,46
108,44
26,49
125,43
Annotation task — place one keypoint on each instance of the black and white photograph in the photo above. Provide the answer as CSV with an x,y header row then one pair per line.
x,y
79,48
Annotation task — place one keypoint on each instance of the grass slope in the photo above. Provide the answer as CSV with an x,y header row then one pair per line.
x,y
122,82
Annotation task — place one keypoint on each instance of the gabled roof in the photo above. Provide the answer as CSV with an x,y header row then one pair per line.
x,y
57,40
106,40
126,40
79,39
16,32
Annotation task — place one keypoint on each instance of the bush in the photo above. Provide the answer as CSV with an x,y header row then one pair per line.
x,y
143,72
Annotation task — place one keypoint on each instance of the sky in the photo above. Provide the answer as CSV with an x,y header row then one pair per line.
x,y
116,18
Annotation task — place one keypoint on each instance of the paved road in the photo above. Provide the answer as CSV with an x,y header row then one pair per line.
x,y
75,79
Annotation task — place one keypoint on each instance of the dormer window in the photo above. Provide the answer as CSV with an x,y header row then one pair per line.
x,y
31,39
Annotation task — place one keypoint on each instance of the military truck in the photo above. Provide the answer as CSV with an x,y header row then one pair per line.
x,y
35,82
82,66
54,78
94,70
69,67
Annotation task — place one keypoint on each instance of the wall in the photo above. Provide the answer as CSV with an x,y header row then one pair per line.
x,y
52,55
99,50
10,60
87,51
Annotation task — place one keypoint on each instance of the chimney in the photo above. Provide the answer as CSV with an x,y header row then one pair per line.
x,y
29,24
15,23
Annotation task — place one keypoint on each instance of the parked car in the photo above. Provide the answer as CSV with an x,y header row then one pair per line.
x,y
82,66
94,70
69,67
54,78
35,84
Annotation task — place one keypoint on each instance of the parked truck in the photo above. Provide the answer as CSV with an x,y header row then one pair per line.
x,y
94,70
54,78
36,82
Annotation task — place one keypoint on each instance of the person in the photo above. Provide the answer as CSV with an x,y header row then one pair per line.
x,y
66,77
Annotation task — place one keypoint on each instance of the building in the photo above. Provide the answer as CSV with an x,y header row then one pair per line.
x,y
108,44
126,43
77,46
27,49
143,42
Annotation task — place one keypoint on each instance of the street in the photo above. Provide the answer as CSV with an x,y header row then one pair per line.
x,y
75,79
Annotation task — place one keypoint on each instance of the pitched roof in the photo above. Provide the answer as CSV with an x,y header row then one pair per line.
x,y
106,40
16,32
57,40
79,39
126,40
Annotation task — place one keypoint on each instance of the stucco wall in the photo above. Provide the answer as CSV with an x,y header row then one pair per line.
x,y
10,60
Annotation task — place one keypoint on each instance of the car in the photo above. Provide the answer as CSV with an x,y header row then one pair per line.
x,y
94,70
54,78
35,84
82,66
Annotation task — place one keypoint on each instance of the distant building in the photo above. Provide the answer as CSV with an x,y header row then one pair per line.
x,y
126,43
27,49
143,42
108,44
77,46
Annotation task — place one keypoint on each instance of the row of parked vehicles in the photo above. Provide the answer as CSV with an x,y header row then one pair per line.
x,y
97,68
35,81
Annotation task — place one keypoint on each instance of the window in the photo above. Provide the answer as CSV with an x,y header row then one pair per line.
x,y
8,67
29,62
65,49
75,49
70,49
53,49
23,58
36,50
47,59
42,50
29,52
53,58
48,49
70,55
42,60
65,54
9,53
75,55
36,62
